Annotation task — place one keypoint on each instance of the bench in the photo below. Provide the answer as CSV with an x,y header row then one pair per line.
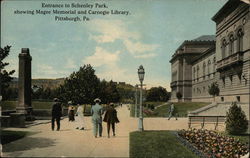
x,y
216,120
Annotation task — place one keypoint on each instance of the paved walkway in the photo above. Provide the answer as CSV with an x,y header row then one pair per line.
x,y
69,142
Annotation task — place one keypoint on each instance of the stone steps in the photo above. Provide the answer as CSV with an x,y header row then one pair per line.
x,y
219,109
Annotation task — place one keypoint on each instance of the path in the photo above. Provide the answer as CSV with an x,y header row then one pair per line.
x,y
70,142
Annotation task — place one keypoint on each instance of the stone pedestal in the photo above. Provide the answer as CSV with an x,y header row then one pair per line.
x,y
17,119
24,84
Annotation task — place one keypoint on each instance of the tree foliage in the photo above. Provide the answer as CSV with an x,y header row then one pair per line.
x,y
214,89
157,94
178,95
81,87
236,122
5,76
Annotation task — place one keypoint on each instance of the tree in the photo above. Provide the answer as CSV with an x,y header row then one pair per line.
x,y
81,87
214,89
178,95
5,76
157,94
236,122
108,92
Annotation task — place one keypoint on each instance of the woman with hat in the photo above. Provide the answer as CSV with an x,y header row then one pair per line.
x,y
111,118
79,117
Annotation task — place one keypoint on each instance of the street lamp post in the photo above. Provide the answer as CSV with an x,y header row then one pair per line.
x,y
136,99
141,74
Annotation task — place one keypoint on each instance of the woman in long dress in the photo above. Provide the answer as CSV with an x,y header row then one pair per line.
x,y
79,118
111,118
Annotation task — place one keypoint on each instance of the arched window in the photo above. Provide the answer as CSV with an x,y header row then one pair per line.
x,y
240,34
231,44
223,48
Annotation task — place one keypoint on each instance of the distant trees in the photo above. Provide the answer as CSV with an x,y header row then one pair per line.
x,y
214,89
157,94
5,76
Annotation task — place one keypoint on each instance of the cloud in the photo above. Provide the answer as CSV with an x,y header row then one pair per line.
x,y
145,55
13,65
102,57
107,31
70,64
140,50
138,47
110,30
107,67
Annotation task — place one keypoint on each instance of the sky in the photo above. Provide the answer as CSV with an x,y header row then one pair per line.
x,y
115,45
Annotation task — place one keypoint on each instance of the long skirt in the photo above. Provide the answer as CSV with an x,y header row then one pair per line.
x,y
80,121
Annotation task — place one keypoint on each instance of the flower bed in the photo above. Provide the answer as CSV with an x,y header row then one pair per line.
x,y
213,144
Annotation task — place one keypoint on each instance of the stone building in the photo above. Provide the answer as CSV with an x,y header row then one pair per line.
x,y
233,51
182,63
199,62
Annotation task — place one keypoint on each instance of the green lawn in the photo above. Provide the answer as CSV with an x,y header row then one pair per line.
x,y
157,144
11,105
9,136
162,111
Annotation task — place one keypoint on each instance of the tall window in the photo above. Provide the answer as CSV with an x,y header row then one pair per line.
x,y
198,69
208,67
194,74
223,48
204,70
240,40
231,44
214,63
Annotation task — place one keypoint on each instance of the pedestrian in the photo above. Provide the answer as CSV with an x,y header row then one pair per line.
x,y
79,118
56,114
172,112
111,118
96,112
71,111
121,105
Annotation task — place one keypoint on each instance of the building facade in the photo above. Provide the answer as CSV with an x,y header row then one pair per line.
x,y
224,59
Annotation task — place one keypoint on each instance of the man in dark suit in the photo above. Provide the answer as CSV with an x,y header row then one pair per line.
x,y
111,118
56,114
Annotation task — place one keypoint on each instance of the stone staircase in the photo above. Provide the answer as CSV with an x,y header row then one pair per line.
x,y
219,109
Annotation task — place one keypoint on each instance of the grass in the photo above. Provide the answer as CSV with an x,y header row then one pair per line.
x,y
9,136
183,108
11,105
157,144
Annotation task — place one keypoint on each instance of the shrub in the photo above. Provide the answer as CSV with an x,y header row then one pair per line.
x,y
179,95
236,122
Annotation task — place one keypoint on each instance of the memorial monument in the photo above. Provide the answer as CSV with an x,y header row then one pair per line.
x,y
24,84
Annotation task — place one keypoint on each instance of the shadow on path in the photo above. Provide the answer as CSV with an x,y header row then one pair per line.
x,y
28,143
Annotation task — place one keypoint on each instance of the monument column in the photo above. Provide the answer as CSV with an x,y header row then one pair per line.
x,y
24,84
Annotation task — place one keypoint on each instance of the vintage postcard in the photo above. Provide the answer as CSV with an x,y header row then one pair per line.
x,y
125,78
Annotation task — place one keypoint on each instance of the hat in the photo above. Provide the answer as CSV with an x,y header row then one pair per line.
x,y
70,102
56,99
97,100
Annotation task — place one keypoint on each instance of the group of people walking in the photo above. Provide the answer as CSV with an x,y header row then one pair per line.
x,y
110,117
